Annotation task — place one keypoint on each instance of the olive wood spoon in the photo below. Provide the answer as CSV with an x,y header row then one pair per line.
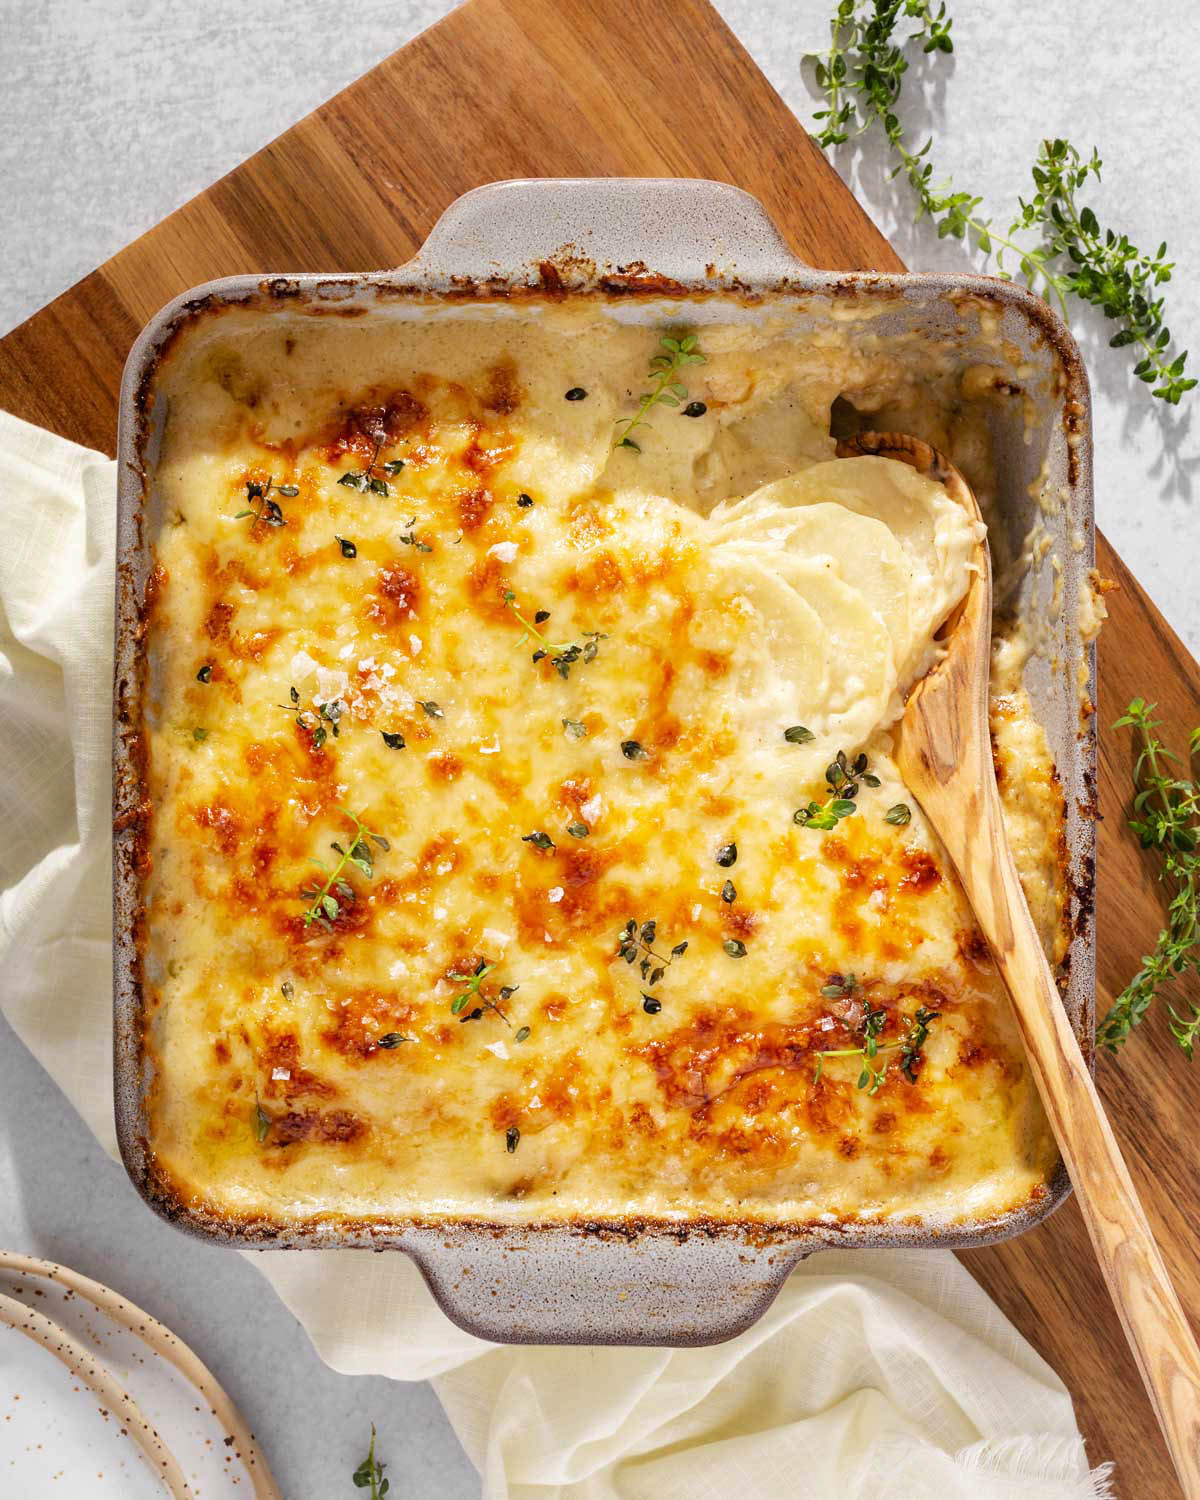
x,y
944,755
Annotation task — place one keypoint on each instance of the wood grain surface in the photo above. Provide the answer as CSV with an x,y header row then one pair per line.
x,y
514,88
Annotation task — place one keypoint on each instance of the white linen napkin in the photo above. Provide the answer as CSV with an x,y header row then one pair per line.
x,y
875,1373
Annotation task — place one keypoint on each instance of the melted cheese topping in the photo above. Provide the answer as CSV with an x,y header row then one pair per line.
x,y
372,656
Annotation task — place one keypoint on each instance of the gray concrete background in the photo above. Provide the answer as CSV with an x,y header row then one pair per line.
x,y
113,112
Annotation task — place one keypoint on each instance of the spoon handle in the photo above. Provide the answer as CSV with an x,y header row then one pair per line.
x,y
1155,1324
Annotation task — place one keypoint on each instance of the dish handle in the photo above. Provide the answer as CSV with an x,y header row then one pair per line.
x,y
571,1285
681,228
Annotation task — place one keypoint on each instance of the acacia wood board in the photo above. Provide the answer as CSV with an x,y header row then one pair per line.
x,y
532,88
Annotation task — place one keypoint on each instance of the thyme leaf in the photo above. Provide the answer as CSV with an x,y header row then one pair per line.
x,y
473,981
326,714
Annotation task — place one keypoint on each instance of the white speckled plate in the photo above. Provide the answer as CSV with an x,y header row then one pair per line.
x,y
98,1398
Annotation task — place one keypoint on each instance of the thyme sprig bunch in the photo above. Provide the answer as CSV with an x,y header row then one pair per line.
x,y
564,654
327,901
862,77
1166,818
666,389
843,777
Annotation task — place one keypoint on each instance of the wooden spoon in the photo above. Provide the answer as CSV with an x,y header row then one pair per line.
x,y
944,754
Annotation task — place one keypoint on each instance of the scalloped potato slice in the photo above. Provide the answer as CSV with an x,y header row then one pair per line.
x,y
860,676
936,535
792,673
860,549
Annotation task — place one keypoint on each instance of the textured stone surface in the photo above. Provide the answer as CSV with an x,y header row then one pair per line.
x,y
116,111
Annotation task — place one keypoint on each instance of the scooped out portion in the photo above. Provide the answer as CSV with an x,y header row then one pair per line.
x,y
852,565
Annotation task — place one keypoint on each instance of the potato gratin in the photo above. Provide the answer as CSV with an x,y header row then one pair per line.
x,y
523,840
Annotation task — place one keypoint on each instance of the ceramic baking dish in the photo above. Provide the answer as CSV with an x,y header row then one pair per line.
x,y
637,244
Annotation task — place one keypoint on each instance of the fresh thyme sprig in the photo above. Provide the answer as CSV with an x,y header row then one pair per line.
x,y
364,480
636,941
1103,267
260,505
564,654
474,991
862,77
1166,817
410,538
328,900
844,779
370,1472
870,1027
330,713
666,390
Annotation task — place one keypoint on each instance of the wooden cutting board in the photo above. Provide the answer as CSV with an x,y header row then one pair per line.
x,y
514,88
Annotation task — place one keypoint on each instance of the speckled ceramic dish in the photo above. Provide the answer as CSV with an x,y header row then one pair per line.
x,y
646,248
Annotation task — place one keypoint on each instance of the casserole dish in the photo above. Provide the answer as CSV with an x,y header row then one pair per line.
x,y
629,247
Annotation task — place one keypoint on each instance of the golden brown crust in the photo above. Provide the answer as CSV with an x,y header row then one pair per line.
x,y
298,1083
